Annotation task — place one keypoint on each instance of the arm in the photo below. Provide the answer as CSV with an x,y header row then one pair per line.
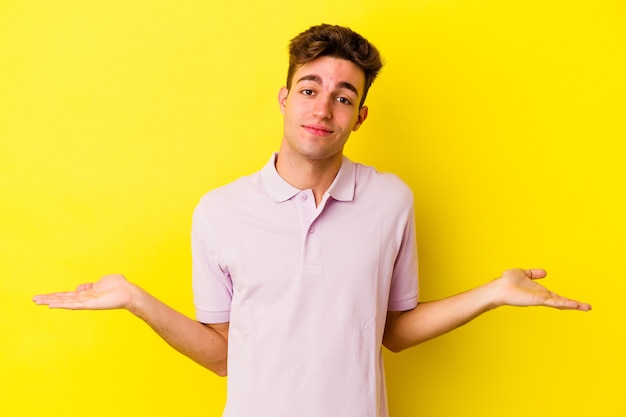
x,y
205,344
516,287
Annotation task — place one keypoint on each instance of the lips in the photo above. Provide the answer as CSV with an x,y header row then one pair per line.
x,y
317,130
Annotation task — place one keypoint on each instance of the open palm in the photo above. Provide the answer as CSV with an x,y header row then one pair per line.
x,y
521,289
110,292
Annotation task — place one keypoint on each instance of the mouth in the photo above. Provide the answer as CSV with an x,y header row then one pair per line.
x,y
317,130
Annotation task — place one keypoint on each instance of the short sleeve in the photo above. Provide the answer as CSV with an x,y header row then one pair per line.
x,y
404,289
212,286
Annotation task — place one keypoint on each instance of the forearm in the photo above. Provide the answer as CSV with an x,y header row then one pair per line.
x,y
202,343
516,287
431,319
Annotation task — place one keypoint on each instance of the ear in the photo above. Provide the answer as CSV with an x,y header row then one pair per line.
x,y
362,116
282,99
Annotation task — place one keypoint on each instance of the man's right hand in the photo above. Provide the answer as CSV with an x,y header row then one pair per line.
x,y
207,344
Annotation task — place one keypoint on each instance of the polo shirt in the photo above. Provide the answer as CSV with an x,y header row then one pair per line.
x,y
306,289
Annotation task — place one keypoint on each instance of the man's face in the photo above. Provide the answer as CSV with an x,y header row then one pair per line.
x,y
322,108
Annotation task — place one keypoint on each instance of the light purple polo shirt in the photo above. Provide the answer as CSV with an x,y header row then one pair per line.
x,y
306,289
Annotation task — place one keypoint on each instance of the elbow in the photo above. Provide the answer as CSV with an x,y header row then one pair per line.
x,y
218,368
220,371
394,336
399,346
394,346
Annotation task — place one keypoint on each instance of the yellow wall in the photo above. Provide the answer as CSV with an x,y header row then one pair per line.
x,y
505,118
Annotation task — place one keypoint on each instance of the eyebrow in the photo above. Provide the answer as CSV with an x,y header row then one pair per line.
x,y
317,79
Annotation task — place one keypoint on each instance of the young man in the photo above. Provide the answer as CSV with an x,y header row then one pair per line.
x,y
302,271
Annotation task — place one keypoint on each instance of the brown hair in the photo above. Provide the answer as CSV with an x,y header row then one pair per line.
x,y
335,41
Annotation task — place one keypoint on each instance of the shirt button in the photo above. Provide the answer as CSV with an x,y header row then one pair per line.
x,y
303,197
311,229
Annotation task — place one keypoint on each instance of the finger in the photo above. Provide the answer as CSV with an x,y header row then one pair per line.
x,y
568,305
535,273
85,286
45,298
66,300
564,303
69,305
52,294
56,297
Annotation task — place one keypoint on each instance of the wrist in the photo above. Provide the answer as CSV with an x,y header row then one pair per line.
x,y
494,294
136,299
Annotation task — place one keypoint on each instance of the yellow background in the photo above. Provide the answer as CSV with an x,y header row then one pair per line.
x,y
505,118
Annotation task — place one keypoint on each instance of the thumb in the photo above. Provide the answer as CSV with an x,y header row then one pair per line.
x,y
535,273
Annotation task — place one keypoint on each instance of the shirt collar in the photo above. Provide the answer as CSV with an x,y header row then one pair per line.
x,y
341,189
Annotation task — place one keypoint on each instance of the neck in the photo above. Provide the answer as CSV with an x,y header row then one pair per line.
x,y
302,173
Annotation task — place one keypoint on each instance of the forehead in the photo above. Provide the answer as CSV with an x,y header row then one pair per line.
x,y
331,72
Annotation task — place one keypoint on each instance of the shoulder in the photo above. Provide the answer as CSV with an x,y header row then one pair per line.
x,y
241,192
382,184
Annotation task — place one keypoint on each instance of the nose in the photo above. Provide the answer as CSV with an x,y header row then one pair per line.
x,y
322,108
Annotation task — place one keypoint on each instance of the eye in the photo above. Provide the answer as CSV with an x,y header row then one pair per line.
x,y
344,100
307,92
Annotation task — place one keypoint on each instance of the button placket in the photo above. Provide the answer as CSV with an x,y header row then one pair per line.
x,y
312,241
